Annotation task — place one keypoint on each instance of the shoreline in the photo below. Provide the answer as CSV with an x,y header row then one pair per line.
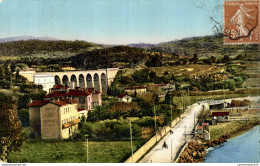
x,y
197,148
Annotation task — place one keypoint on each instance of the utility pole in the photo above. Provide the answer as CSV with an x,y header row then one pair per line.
x,y
224,95
171,150
154,119
188,96
131,137
185,135
171,114
194,119
87,150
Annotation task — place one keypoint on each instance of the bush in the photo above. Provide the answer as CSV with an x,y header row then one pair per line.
x,y
5,84
87,129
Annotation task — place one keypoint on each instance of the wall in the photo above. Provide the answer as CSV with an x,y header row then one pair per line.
x,y
35,120
50,126
145,148
69,115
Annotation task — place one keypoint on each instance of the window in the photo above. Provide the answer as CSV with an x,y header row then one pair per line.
x,y
82,100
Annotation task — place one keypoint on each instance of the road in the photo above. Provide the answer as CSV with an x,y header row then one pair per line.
x,y
177,139
174,141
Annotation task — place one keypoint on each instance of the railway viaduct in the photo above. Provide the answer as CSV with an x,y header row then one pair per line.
x,y
98,79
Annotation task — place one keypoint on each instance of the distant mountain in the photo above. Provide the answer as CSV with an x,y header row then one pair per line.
x,y
141,45
19,38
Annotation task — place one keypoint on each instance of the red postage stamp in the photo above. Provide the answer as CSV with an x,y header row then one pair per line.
x,y
241,22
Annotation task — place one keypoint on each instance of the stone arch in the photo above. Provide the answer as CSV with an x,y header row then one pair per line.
x,y
73,79
104,82
57,80
89,81
65,80
81,81
96,82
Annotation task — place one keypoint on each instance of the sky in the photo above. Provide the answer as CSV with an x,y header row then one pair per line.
x,y
108,21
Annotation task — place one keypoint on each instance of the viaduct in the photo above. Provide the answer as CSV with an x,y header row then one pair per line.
x,y
98,79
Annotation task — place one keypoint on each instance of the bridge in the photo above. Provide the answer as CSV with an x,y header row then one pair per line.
x,y
98,79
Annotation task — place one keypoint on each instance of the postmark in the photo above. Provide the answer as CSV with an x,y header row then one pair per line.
x,y
241,22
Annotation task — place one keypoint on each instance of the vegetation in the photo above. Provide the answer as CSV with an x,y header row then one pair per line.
x,y
66,151
11,136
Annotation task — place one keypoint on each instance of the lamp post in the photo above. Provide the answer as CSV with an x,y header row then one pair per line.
x,y
131,138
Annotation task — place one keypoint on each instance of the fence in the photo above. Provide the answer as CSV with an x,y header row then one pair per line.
x,y
148,145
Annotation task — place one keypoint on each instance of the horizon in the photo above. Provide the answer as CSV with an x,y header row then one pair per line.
x,y
109,22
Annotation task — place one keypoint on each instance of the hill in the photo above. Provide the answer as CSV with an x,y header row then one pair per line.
x,y
208,46
19,38
35,48
118,56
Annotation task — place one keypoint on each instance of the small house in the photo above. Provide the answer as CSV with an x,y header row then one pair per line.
x,y
199,129
135,89
125,98
206,135
220,116
205,126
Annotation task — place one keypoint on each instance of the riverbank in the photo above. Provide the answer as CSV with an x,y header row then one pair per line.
x,y
197,148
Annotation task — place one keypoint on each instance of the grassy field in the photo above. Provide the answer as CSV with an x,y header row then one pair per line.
x,y
39,151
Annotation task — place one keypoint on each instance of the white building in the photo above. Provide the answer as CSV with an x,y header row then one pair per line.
x,y
125,98
46,80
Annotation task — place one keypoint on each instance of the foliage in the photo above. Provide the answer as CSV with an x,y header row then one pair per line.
x,y
65,151
11,137
24,116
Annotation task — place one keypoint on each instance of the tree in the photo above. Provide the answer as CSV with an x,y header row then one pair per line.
x,y
11,137
2,73
13,67
24,117
195,58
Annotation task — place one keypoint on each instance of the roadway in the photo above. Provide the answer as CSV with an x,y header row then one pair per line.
x,y
176,140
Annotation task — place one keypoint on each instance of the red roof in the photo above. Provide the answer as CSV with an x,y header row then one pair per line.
x,y
93,91
71,92
36,103
220,113
59,86
122,95
135,87
205,124
39,103
81,109
199,128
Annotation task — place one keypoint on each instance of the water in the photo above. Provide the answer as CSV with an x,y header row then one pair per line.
x,y
241,149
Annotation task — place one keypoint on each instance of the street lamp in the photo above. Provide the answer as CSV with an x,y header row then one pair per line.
x,y
131,138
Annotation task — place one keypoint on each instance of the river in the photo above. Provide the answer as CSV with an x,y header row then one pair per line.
x,y
241,149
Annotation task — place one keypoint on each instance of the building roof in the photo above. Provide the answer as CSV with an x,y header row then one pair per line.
x,y
59,86
220,113
40,103
122,95
135,87
37,103
93,91
81,109
205,124
70,92
157,84
199,128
